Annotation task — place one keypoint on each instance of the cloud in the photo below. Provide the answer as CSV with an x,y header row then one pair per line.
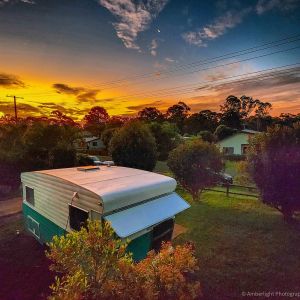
x,y
23,109
133,17
216,29
141,106
82,94
153,47
10,81
169,59
3,2
267,5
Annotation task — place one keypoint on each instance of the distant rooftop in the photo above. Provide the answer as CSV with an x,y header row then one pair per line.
x,y
250,131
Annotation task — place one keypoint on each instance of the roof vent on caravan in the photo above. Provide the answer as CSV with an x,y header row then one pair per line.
x,y
88,168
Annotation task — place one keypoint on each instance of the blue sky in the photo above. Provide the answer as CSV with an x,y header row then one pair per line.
x,y
86,43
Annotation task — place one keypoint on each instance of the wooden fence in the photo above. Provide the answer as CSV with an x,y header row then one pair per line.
x,y
233,189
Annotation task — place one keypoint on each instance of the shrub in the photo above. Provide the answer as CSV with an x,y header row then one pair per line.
x,y
63,157
134,146
107,135
95,265
206,136
274,163
223,132
196,165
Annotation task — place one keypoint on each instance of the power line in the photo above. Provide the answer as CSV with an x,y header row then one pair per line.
x,y
179,88
213,67
293,38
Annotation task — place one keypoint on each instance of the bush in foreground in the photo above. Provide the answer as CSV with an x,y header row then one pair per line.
x,y
134,146
196,165
274,163
95,265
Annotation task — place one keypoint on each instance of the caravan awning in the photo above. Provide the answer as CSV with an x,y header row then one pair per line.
x,y
137,218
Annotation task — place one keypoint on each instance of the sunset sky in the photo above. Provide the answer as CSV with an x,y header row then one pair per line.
x,y
128,54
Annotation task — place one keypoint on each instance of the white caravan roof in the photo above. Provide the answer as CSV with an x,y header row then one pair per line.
x,y
117,187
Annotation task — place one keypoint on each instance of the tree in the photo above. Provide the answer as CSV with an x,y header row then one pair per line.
x,y
206,136
236,110
57,117
107,135
95,120
134,146
150,114
95,265
223,131
177,114
274,163
166,138
195,165
204,120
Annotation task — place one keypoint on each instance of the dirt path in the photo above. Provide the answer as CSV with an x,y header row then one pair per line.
x,y
10,206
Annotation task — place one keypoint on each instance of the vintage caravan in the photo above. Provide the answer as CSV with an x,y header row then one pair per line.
x,y
140,205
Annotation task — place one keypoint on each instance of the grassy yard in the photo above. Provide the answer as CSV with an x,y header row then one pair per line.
x,y
242,245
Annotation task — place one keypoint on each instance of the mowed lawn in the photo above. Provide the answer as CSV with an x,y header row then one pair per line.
x,y
242,246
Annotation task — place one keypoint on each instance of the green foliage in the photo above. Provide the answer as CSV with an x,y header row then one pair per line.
x,y
195,165
107,135
27,147
95,265
177,114
166,137
204,120
274,163
206,136
243,177
150,114
134,146
223,131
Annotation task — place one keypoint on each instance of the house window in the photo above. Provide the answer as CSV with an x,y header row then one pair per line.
x,y
95,144
78,217
29,195
228,150
162,232
244,148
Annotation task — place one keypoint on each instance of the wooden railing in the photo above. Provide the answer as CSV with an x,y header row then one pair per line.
x,y
234,189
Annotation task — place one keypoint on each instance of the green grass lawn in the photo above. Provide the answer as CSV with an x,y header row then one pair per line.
x,y
242,245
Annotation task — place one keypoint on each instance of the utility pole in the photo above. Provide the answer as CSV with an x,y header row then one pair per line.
x,y
15,104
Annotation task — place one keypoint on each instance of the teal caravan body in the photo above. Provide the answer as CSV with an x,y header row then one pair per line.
x,y
140,205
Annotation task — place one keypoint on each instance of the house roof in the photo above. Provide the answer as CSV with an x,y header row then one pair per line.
x,y
249,131
117,186
90,139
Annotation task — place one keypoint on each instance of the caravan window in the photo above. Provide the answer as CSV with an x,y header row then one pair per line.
x,y
29,195
78,217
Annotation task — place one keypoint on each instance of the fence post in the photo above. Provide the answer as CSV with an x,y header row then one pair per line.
x,y
227,190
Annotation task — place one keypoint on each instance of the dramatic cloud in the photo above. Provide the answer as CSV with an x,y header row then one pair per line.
x,y
267,5
23,109
10,81
153,47
217,28
141,106
82,94
133,17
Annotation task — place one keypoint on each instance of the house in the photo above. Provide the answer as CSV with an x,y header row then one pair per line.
x,y
237,143
140,205
89,143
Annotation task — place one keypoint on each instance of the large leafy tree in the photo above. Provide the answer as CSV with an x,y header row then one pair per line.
x,y
95,120
236,110
274,163
177,114
205,120
94,264
150,114
166,137
134,146
196,165
223,132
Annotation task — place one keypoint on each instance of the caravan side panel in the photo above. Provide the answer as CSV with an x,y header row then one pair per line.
x,y
49,214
